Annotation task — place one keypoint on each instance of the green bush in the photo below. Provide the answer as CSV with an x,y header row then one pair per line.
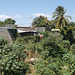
x,y
51,68
45,34
54,46
3,41
37,38
6,49
65,45
42,69
51,48
70,59
24,40
57,36
72,48
12,59
10,65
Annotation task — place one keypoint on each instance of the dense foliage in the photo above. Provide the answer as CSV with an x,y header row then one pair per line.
x,y
12,57
53,54
41,21
68,34
8,23
57,56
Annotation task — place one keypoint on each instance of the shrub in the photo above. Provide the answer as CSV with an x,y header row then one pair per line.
x,y
72,48
51,48
12,59
42,69
70,59
24,40
3,41
52,68
65,45
45,34
37,38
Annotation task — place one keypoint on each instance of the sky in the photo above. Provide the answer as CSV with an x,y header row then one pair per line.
x,y
24,11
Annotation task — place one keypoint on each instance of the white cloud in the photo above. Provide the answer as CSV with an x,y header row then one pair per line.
x,y
17,16
73,15
3,17
43,14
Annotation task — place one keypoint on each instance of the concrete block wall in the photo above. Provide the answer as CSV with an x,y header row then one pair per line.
x,y
4,33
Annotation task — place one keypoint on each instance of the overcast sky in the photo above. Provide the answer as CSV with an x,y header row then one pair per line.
x,y
24,11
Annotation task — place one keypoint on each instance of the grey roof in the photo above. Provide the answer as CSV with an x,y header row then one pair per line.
x,y
22,31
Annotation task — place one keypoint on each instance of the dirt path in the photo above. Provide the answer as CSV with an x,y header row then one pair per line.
x,y
31,66
32,70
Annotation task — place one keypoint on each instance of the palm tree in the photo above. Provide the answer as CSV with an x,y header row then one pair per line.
x,y
59,18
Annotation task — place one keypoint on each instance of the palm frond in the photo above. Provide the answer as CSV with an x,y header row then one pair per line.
x,y
55,20
64,11
54,16
63,22
58,22
67,20
68,16
55,12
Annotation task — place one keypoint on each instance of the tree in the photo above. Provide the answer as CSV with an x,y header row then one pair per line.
x,y
1,23
60,19
40,21
72,24
67,34
10,21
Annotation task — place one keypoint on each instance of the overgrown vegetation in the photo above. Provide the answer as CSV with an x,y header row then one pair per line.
x,y
12,57
53,54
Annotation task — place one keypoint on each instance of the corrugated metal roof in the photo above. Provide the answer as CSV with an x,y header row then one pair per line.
x,y
21,31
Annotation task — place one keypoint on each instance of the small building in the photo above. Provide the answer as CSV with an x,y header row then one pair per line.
x,y
31,31
37,29
27,33
9,33
40,29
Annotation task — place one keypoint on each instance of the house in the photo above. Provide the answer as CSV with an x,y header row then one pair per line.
x,y
40,29
9,33
37,29
26,31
